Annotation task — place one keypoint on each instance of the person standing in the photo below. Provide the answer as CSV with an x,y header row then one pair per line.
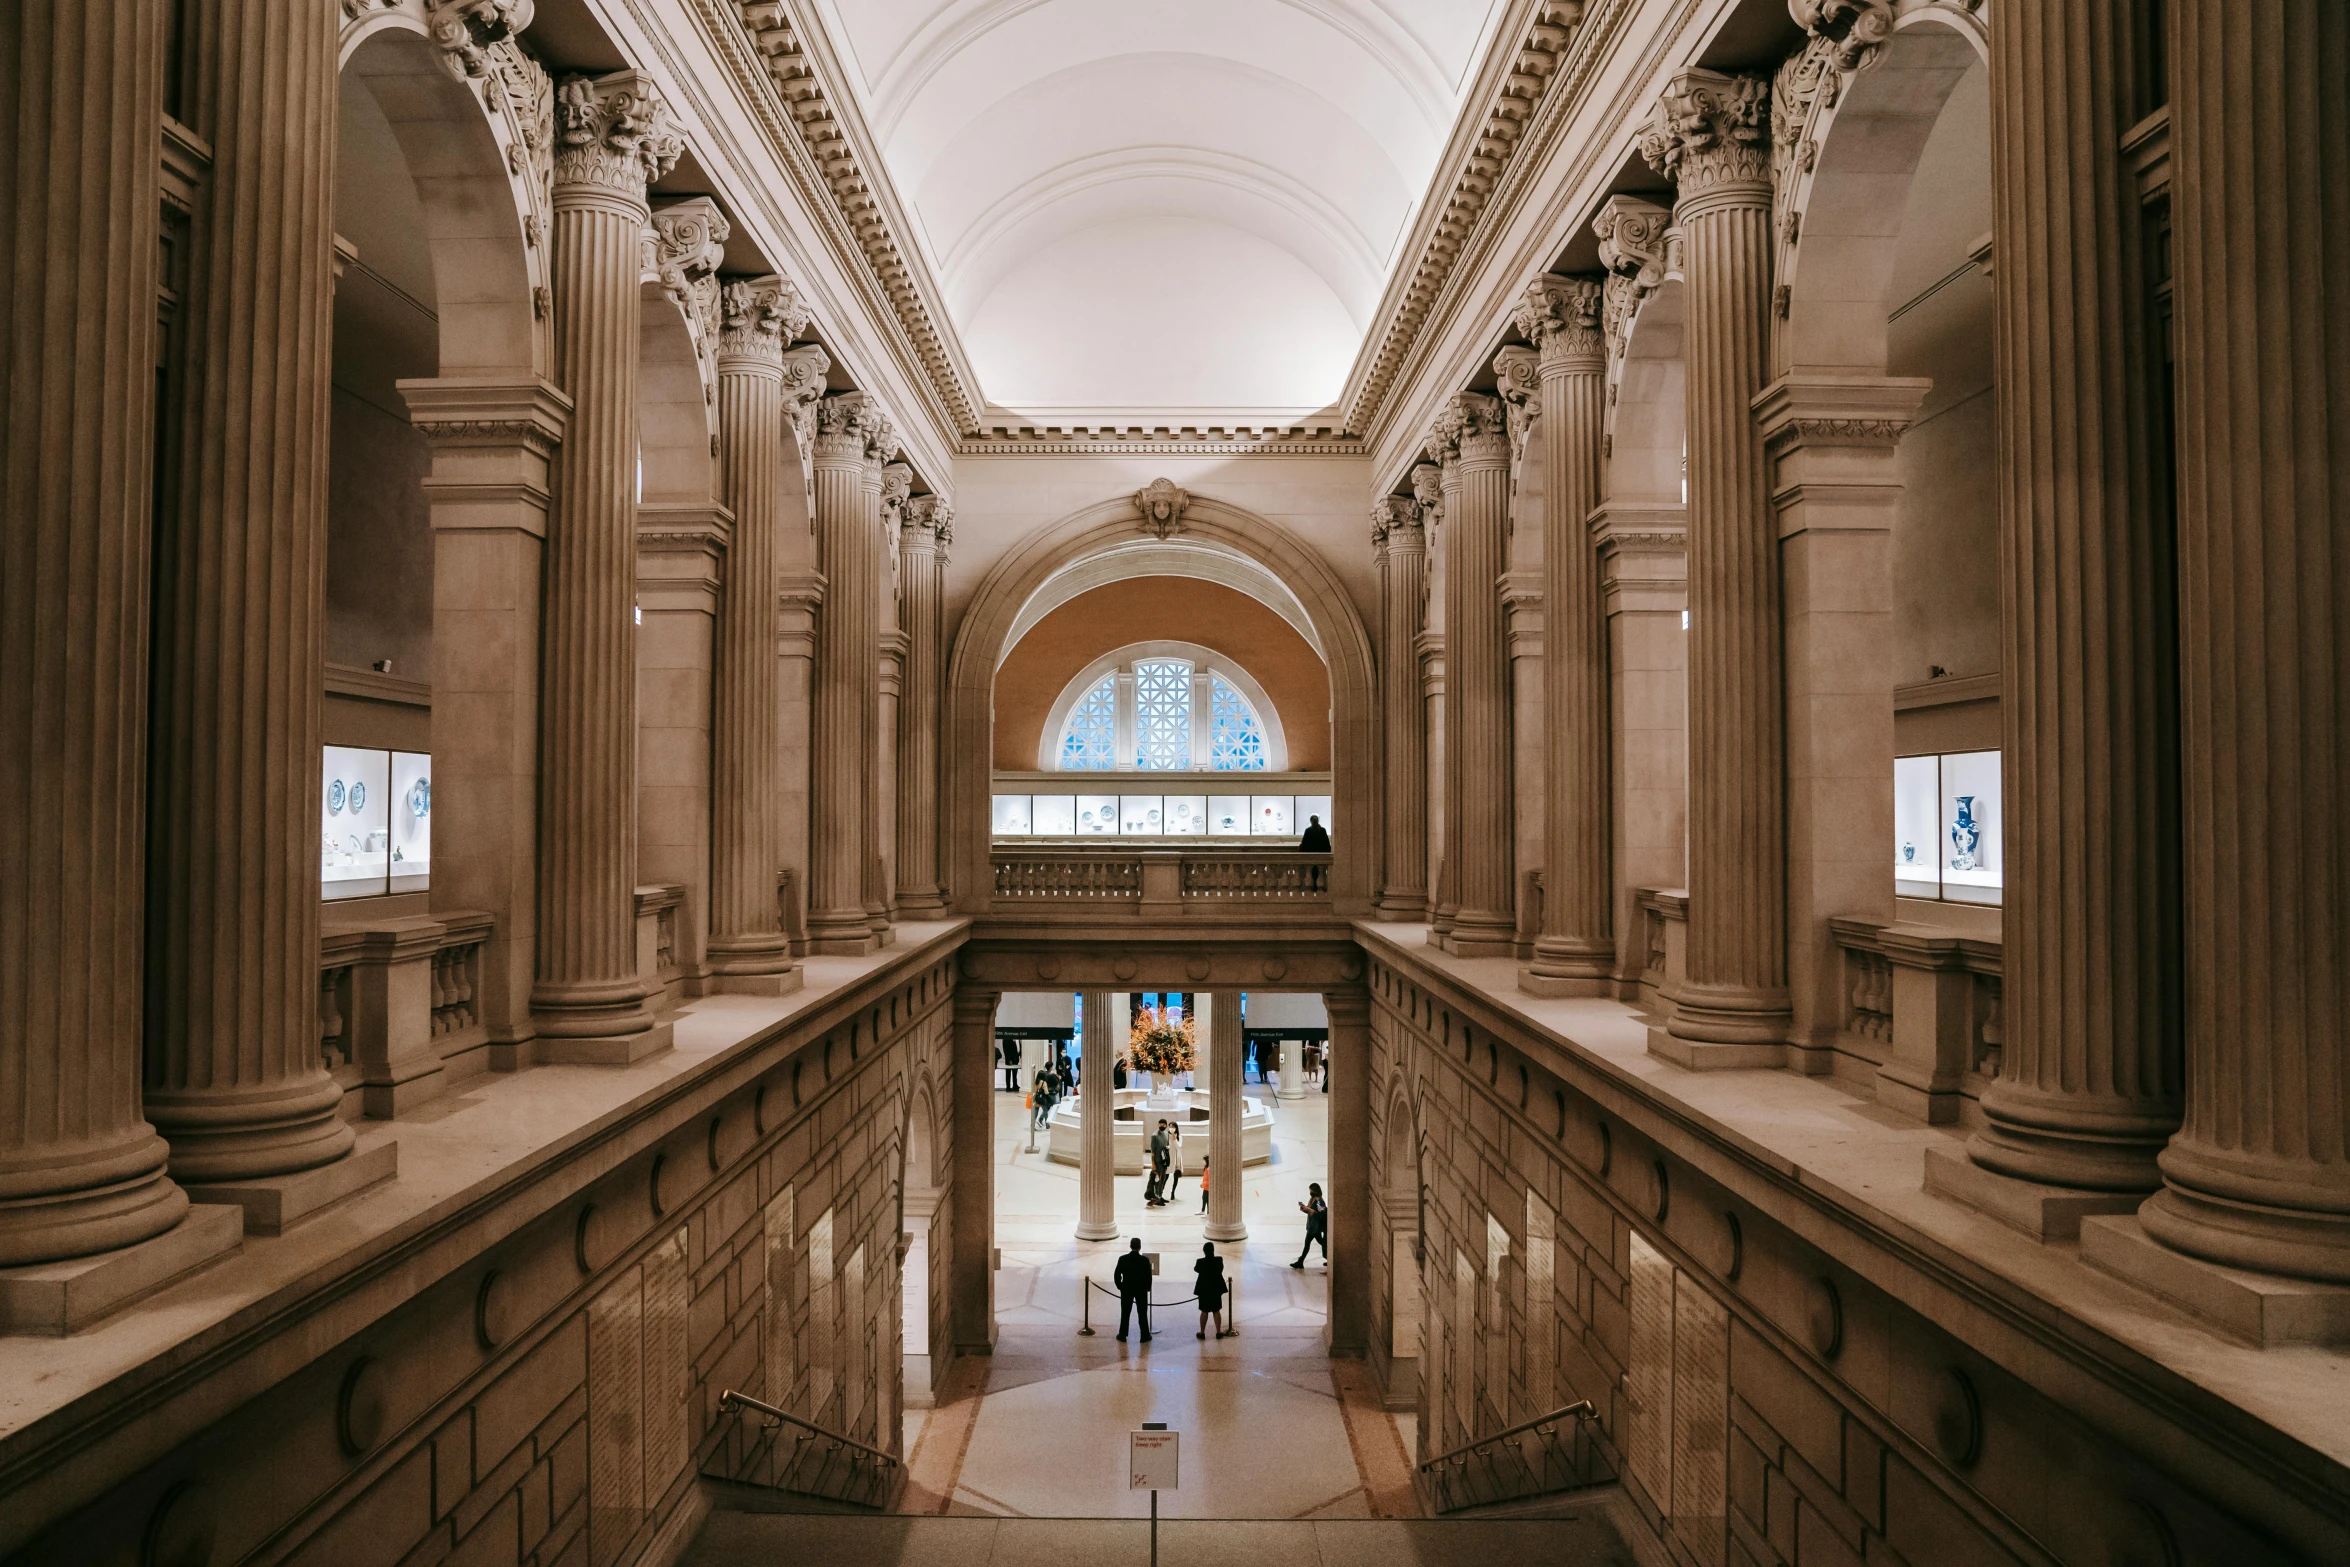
x,y
1132,1276
1317,1214
1204,1174
1210,1271
1174,1161
1154,1193
1315,839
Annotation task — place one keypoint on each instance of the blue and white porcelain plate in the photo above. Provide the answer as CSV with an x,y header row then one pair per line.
x,y
420,798
334,797
358,797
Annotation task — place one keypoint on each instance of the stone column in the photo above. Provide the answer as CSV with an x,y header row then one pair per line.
x,y
1474,442
1710,136
1427,481
1097,1143
1399,546
590,1000
799,599
1292,1071
971,1140
1226,1221
887,484
80,1168
2259,1176
2088,1086
748,952
235,1081
926,531
846,673
1575,953
1347,1184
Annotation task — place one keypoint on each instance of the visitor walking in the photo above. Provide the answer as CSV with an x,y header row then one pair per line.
x,y
1210,1270
1132,1276
1317,1214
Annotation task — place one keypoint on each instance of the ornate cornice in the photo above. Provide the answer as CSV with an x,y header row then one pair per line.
x,y
757,316
1158,441
1562,41
1517,374
1161,504
1710,129
769,37
613,134
1560,316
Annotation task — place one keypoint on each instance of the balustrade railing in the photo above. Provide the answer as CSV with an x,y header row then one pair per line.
x,y
778,1450
1256,876
1158,881
1556,1452
348,1029
1923,1003
1072,875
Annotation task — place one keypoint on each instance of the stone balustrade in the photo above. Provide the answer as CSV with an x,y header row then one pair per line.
x,y
1186,883
1664,920
397,1000
660,943
1923,1005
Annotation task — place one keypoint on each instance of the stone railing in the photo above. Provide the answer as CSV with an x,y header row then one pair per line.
x,y
1923,1004
1177,883
396,999
1664,922
659,949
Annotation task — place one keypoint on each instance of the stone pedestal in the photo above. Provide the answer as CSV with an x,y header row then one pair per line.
x,y
926,530
1472,441
748,954
1226,1220
2259,1175
2088,1085
1293,1082
81,1170
1096,1098
1399,548
235,1080
391,1016
614,135
1574,954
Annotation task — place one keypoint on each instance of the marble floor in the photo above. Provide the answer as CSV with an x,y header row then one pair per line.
x,y
1271,1427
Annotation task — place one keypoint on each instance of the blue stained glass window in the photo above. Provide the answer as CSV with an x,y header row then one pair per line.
x,y
1089,744
1162,714
1236,741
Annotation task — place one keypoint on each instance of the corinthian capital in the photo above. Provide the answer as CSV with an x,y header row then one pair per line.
x,y
613,134
757,316
1857,28
1470,424
684,244
1518,380
464,30
929,522
1428,491
1560,317
881,431
897,482
1710,129
1632,248
804,369
1395,519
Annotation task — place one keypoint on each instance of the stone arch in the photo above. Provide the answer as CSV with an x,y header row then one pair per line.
x,y
479,149
1861,145
677,405
919,1143
982,637
1268,715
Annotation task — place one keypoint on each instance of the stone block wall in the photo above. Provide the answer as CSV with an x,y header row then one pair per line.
x,y
1771,1393
547,1388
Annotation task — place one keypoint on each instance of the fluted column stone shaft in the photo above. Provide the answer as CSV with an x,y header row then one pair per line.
x,y
1399,547
1226,1219
613,137
888,484
926,532
1474,441
81,1170
1575,952
2088,1086
1710,136
845,678
234,1077
747,947
2259,1174
1097,1135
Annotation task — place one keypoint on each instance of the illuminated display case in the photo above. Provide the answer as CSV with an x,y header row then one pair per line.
x,y
1947,825
374,822
1015,817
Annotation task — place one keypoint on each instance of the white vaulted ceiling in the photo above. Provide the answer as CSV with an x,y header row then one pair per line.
x,y
1160,206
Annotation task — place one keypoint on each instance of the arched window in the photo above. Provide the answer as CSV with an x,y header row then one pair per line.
x,y
1155,709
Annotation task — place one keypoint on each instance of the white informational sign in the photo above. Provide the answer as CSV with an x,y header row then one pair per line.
x,y
1151,1458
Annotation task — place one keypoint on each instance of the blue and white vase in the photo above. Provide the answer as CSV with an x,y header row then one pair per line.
x,y
1965,836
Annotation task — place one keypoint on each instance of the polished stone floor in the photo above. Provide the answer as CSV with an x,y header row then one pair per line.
x,y
1272,1428
783,1540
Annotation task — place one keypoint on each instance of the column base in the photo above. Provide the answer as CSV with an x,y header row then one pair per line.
x,y
603,1050
1478,941
52,1299
2258,1236
1225,1232
2258,1307
273,1204
840,933
1703,1055
1098,1230
1532,981
2045,1213
1406,908
1731,1015
925,903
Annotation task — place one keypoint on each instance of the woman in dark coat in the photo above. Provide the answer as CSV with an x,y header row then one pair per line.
x,y
1210,1269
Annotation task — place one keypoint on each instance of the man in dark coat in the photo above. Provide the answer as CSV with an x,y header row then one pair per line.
x,y
1132,1275
1162,1153
1316,839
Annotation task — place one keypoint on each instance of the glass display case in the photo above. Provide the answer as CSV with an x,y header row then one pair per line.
x,y
1138,815
1097,813
1947,827
1311,805
1187,815
1048,816
410,806
1227,815
354,827
1273,815
1054,815
1011,816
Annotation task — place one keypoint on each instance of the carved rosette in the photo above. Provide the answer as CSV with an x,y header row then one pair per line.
x,y
613,135
1161,505
928,521
1710,130
757,316
1631,236
1518,380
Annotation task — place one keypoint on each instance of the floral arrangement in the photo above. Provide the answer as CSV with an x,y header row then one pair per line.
x,y
1160,1043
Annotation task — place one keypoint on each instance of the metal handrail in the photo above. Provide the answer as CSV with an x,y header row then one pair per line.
x,y
731,1400
1579,1410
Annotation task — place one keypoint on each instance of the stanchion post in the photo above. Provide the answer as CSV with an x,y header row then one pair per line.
x,y
1085,1307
